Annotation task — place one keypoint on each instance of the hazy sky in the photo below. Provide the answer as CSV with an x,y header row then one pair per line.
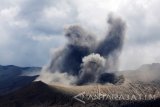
x,y
31,29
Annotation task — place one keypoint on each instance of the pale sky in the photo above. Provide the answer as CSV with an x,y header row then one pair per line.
x,y
31,29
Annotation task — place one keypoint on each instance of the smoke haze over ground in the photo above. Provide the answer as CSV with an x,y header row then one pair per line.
x,y
86,60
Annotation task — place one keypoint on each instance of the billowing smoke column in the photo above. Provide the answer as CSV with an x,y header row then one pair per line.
x,y
92,66
84,60
111,46
69,59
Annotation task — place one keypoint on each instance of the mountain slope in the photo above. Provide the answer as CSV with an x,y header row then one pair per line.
x,y
39,94
13,77
146,73
22,92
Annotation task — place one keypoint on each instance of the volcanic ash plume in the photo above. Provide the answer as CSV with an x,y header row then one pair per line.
x,y
69,59
84,60
111,46
92,66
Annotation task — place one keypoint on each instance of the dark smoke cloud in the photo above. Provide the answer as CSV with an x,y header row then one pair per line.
x,y
69,59
112,44
86,59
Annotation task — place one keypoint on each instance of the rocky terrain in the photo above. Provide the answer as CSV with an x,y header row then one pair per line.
x,y
39,94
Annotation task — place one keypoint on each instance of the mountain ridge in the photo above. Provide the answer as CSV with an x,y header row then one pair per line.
x,y
40,94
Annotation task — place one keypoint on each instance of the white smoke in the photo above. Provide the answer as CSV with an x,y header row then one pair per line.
x,y
56,77
92,67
